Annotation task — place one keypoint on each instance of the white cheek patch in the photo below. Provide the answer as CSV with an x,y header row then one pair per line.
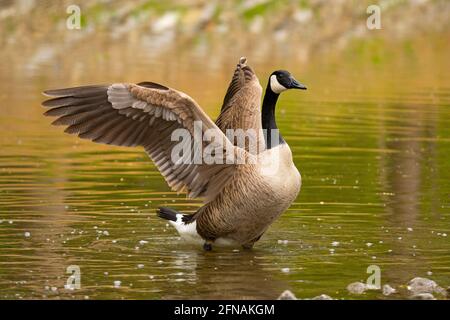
x,y
275,85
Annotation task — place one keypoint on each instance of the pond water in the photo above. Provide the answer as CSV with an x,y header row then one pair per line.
x,y
371,138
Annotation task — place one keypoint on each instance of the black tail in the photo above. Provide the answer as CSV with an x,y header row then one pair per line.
x,y
167,213
170,214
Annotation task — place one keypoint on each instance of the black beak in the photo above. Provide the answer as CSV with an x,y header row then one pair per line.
x,y
297,85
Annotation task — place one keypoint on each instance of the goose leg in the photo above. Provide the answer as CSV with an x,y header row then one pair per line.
x,y
207,246
249,245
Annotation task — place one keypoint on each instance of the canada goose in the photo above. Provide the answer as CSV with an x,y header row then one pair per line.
x,y
241,198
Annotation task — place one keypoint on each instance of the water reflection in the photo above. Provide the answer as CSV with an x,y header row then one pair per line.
x,y
225,275
404,175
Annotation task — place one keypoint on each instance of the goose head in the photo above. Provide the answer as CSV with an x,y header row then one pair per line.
x,y
282,80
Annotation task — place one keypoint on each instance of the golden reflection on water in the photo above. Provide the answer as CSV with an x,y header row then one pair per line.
x,y
370,139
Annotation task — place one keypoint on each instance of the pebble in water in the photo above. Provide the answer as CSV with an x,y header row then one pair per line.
x,y
287,295
335,243
69,287
285,270
423,296
117,283
140,266
356,288
421,285
27,234
388,290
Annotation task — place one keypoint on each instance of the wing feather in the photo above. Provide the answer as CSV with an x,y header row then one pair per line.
x,y
241,105
146,115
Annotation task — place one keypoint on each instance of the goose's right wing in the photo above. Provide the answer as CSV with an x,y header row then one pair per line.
x,y
147,114
241,108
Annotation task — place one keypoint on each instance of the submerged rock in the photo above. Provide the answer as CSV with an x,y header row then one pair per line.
x,y
356,288
441,291
287,295
322,297
421,285
423,296
418,286
388,290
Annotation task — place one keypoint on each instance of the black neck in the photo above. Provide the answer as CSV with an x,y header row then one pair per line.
x,y
268,118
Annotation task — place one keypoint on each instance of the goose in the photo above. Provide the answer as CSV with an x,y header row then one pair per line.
x,y
241,198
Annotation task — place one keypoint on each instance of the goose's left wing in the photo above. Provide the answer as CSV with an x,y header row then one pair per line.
x,y
147,114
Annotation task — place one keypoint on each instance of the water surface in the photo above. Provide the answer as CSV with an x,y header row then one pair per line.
x,y
371,138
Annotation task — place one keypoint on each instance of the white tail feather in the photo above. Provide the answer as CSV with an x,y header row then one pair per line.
x,y
188,231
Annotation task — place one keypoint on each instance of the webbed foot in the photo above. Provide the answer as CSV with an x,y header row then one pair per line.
x,y
207,246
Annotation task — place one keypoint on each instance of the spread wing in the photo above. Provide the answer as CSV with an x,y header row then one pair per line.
x,y
147,114
241,107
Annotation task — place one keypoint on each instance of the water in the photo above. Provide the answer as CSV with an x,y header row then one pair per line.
x,y
371,138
